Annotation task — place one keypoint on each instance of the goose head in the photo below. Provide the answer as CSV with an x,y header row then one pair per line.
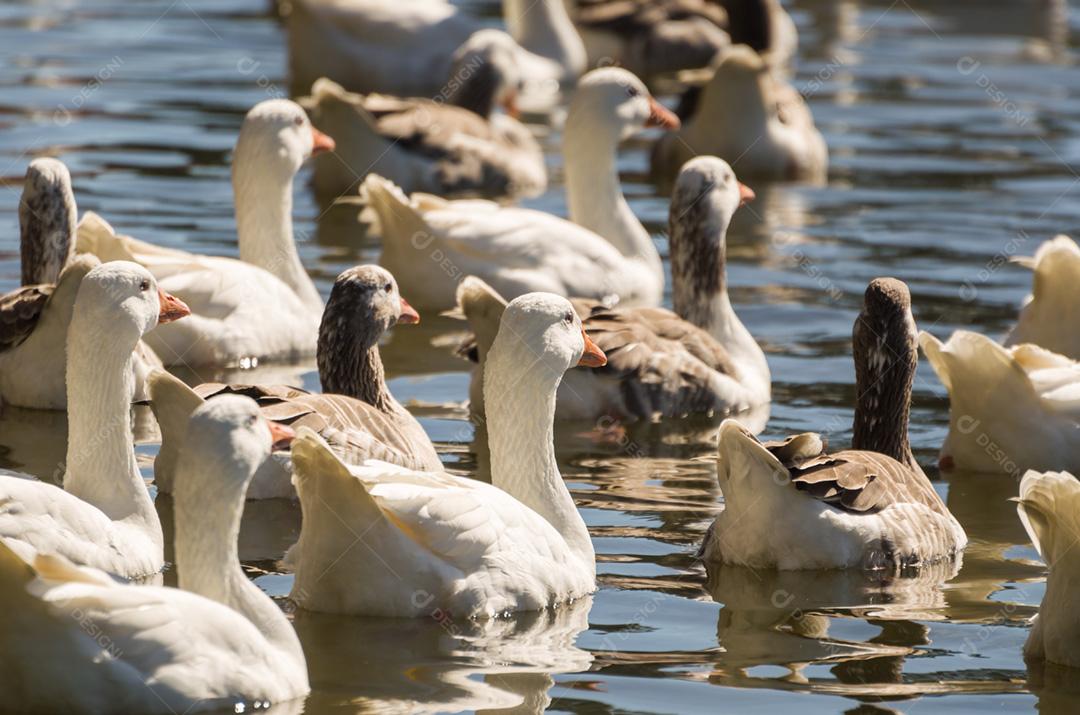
x,y
123,300
705,198
277,137
47,221
885,350
612,100
231,439
485,74
543,331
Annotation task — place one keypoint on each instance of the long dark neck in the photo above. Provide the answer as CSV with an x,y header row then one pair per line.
x,y
698,253
885,362
356,371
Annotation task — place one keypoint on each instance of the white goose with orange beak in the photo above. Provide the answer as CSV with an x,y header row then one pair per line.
x,y
434,542
263,307
103,516
602,252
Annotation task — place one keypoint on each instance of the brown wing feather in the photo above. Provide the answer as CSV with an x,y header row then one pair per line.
x,y
20,311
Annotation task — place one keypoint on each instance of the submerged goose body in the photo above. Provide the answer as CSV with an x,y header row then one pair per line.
x,y
750,117
84,643
793,505
603,251
436,541
1049,508
699,359
1030,419
228,298
1050,317
357,415
424,145
34,319
103,516
407,49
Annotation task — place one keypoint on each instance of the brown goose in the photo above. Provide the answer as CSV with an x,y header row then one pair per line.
x,y
793,505
698,359
357,416
34,318
454,145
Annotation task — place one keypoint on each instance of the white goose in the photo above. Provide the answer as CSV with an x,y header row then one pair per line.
x,y
356,414
435,541
698,359
453,146
406,48
229,298
1050,317
103,517
1049,508
1010,409
602,251
791,505
85,644
750,117
34,319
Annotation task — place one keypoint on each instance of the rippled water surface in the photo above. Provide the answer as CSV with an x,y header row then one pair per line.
x,y
953,129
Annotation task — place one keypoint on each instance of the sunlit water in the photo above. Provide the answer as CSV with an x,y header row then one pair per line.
x,y
952,131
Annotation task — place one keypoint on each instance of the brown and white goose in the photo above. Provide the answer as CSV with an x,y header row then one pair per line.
x,y
357,415
454,145
749,116
34,318
792,505
699,359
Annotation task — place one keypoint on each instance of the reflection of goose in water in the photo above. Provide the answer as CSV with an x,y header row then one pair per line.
x,y
436,664
783,618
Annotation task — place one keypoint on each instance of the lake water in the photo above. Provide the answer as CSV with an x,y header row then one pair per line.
x,y
953,128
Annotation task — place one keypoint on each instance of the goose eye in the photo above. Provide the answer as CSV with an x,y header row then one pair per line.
x,y
299,121
252,420
632,91
388,288
568,318
144,286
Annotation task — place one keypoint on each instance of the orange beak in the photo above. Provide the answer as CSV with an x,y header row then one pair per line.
x,y
509,104
408,316
661,116
281,436
321,142
593,355
171,308
746,194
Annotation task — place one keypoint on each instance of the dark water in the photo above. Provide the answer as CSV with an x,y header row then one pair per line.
x,y
953,130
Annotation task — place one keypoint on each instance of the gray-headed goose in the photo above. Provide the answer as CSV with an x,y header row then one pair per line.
x,y
34,318
83,643
454,145
103,516
356,414
749,116
793,505
699,359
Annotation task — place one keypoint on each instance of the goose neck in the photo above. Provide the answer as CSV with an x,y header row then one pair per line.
x,y
885,364
207,515
47,225
519,401
264,201
544,28
355,370
594,192
101,468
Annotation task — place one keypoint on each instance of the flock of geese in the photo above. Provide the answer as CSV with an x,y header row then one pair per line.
x,y
100,314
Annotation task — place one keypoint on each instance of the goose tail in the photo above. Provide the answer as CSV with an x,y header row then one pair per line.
x,y
1049,508
172,403
397,217
482,307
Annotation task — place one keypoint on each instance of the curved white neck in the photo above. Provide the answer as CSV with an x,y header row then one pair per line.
x,y
594,194
207,557
544,28
101,466
519,401
264,225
